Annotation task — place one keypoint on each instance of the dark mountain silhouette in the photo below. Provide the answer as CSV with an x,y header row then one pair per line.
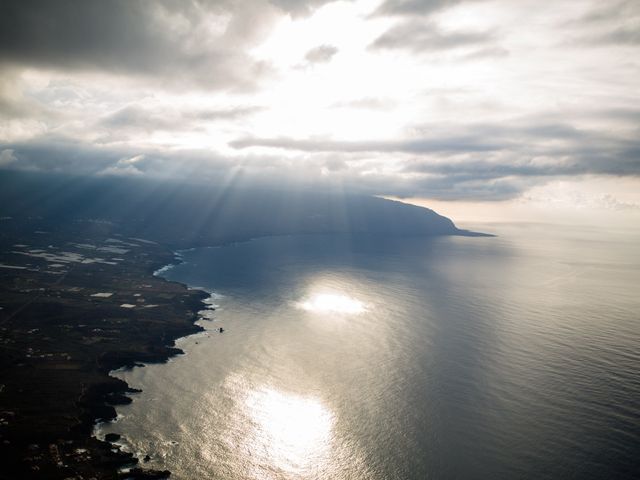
x,y
182,214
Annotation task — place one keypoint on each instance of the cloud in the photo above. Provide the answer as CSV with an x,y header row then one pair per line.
x,y
420,37
488,52
610,24
605,12
366,103
53,153
7,157
298,8
202,43
207,88
440,187
124,167
420,145
593,194
14,105
136,117
481,152
619,36
321,54
414,7
147,39
230,113
449,162
610,202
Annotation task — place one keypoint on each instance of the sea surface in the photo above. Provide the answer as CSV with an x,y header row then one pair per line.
x,y
358,357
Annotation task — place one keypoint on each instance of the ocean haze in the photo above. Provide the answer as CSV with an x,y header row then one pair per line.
x,y
361,357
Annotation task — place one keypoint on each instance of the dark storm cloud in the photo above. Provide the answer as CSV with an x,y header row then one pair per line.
x,y
167,41
77,32
418,36
119,36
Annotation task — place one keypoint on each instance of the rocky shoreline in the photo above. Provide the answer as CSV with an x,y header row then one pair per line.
x,y
76,305
101,402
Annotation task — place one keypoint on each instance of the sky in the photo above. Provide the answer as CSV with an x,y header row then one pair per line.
x,y
481,109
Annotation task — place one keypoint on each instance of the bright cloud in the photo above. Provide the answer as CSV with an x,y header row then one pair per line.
x,y
446,100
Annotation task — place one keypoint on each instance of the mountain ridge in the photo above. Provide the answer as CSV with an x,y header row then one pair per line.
x,y
185,215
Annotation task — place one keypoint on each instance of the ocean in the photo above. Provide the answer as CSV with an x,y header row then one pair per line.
x,y
363,357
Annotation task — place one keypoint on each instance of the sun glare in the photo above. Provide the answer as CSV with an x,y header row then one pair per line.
x,y
291,432
332,303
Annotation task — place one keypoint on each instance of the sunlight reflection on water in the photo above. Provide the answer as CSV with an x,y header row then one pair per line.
x,y
473,358
288,432
329,302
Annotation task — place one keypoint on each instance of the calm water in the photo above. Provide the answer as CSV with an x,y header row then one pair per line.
x,y
516,357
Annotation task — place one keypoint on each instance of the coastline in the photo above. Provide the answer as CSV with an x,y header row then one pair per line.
x,y
93,316
136,448
100,326
162,357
